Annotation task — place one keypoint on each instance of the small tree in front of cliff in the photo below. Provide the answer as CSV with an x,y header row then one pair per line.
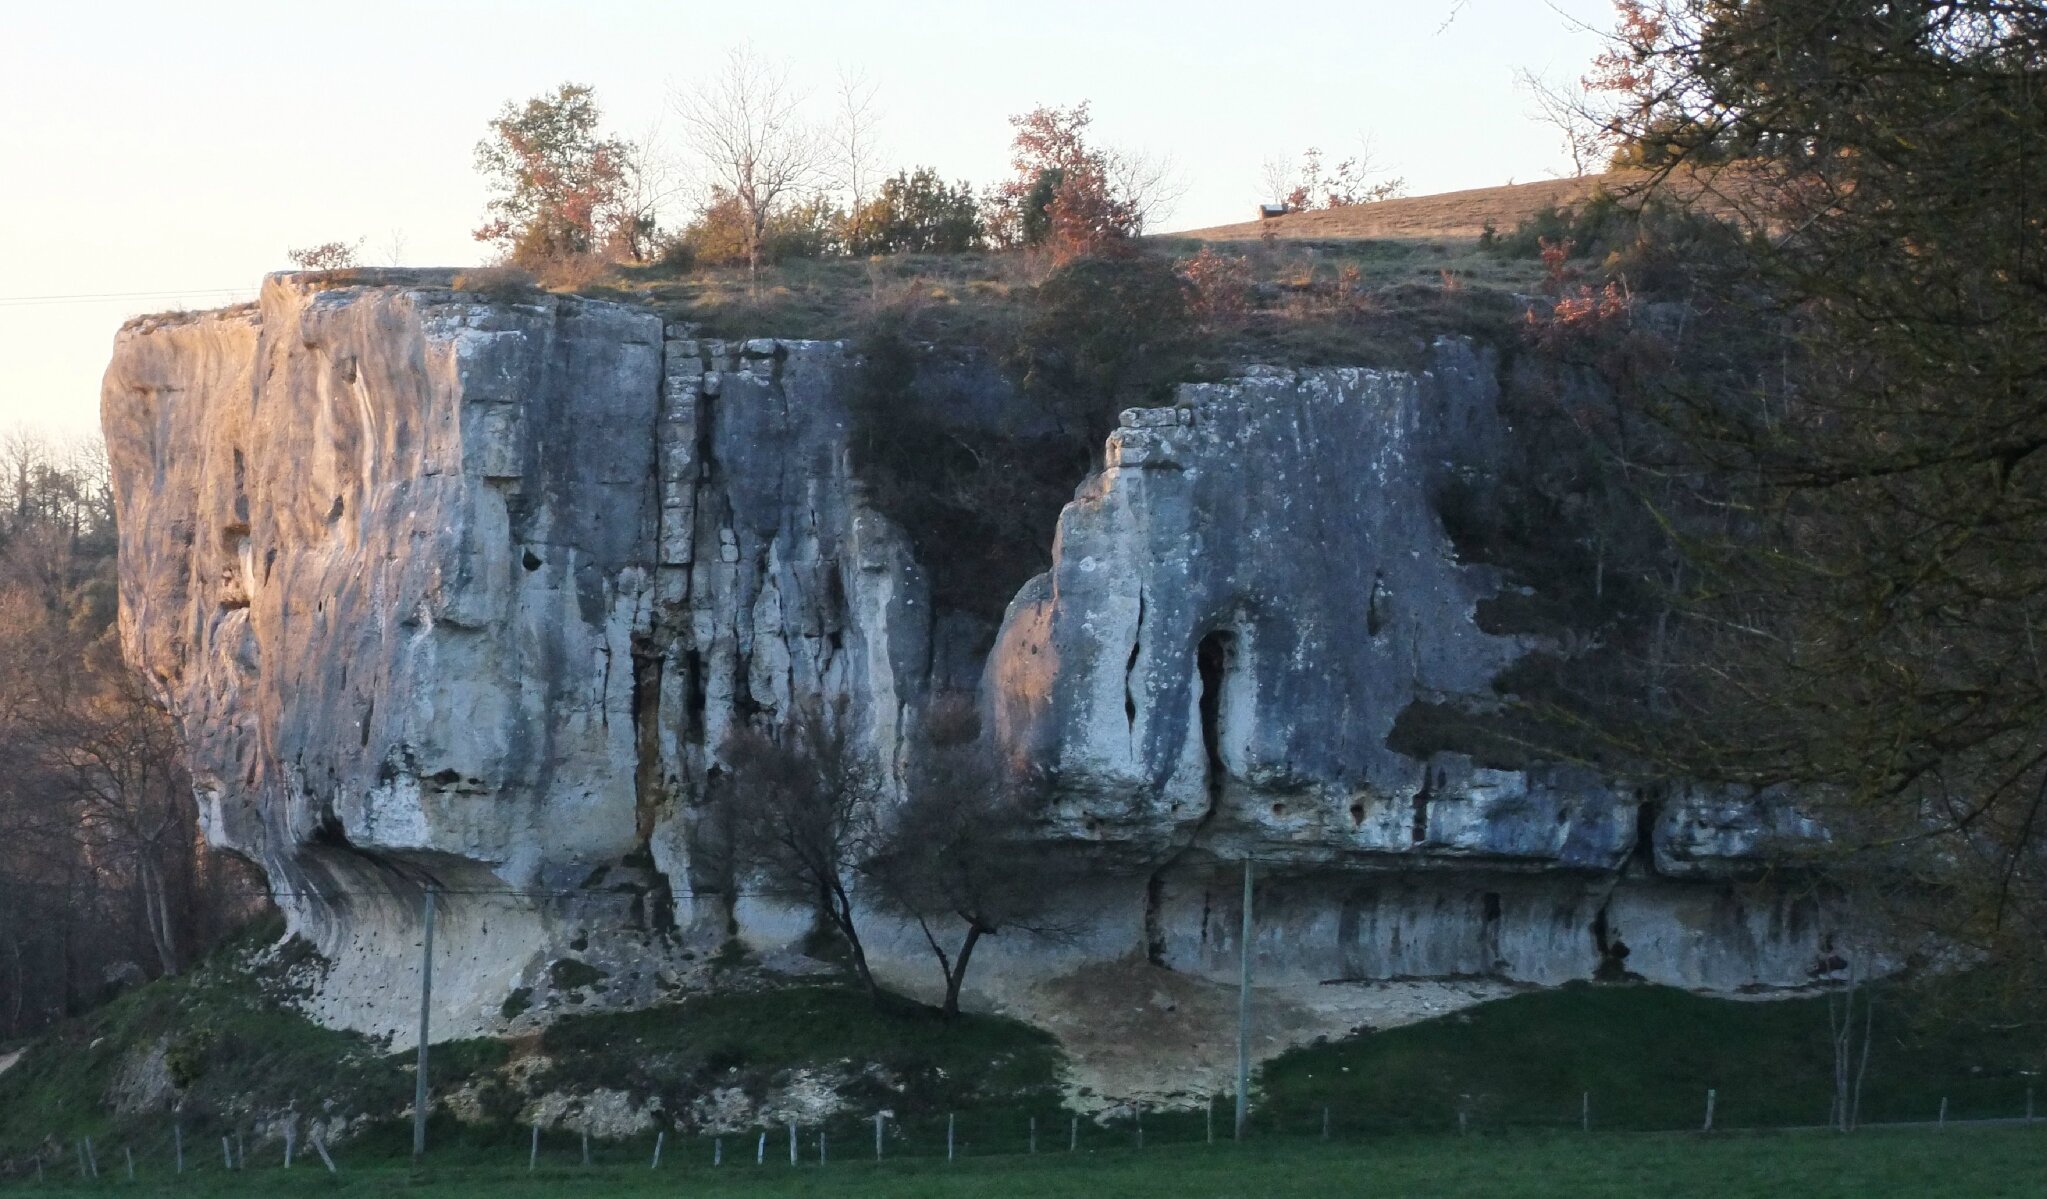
x,y
561,191
954,857
805,808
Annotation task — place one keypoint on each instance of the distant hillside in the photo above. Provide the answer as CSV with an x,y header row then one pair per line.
x,y
1461,214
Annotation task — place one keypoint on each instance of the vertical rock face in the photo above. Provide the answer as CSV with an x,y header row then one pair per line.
x,y
463,592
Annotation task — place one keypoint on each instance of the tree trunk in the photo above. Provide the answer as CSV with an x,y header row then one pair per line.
x,y
840,911
157,902
957,975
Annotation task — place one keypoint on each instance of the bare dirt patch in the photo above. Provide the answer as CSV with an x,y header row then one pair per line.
x,y
1137,1032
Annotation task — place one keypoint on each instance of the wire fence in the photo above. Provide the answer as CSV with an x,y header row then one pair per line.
x,y
167,1150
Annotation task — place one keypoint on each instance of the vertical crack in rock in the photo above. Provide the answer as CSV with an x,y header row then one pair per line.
x,y
1213,658
1489,933
1419,832
1130,670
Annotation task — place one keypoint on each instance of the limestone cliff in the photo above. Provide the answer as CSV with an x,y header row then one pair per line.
x,y
453,590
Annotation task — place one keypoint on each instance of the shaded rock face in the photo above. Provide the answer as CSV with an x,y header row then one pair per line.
x,y
465,593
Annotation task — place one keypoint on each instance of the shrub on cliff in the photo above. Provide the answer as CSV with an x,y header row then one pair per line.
x,y
915,213
979,491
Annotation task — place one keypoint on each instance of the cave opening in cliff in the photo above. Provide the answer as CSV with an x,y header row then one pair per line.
x,y
1213,659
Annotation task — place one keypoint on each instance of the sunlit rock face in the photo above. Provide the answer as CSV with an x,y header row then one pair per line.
x,y
466,592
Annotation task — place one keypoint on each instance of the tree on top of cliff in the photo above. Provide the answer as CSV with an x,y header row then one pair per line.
x,y
560,189
1315,186
745,124
1069,195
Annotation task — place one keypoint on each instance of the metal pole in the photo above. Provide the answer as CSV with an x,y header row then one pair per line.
x,y
877,1136
1244,1013
426,998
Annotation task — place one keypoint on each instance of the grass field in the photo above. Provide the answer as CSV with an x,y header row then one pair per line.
x,y
1961,1163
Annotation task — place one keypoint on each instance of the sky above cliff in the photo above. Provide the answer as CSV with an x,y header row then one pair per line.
x,y
165,156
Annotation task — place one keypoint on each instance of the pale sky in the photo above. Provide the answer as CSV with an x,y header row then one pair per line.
x,y
163,155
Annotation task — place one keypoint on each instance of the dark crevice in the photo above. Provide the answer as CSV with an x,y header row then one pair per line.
x,y
646,715
1130,669
1420,831
1613,952
694,695
1646,812
1213,658
1489,933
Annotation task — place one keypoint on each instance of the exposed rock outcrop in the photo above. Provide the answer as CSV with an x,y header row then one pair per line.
x,y
463,592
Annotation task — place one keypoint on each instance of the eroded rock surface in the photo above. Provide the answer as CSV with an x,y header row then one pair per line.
x,y
462,592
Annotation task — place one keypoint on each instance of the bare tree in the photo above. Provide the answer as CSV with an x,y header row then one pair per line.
x,y
805,808
853,136
1275,179
746,124
1148,184
1315,185
1568,111
955,858
652,181
101,864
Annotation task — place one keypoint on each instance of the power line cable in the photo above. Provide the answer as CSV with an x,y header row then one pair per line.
x,y
111,297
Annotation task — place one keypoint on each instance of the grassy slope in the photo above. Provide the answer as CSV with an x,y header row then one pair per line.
x,y
223,1036
1647,1055
1432,285
1962,1163
900,1056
